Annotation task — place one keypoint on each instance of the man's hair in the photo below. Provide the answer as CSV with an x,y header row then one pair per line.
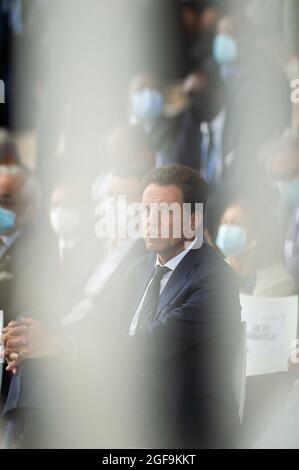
x,y
193,186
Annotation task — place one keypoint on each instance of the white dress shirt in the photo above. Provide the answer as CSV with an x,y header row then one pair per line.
x,y
171,265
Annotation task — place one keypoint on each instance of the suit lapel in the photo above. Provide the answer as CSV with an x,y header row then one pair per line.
x,y
179,278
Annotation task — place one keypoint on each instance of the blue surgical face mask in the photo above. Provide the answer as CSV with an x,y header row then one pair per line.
x,y
147,104
7,220
231,240
225,49
289,190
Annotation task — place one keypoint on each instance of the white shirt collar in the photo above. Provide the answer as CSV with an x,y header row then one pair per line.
x,y
173,262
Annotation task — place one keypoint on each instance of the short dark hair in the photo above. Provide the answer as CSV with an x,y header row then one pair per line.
x,y
193,186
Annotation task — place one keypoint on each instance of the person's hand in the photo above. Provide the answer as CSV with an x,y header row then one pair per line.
x,y
27,339
194,83
11,331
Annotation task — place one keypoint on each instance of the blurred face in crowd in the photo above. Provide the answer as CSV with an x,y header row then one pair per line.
x,y
190,22
284,169
225,48
226,25
161,197
66,212
208,19
16,209
236,232
146,98
128,187
195,23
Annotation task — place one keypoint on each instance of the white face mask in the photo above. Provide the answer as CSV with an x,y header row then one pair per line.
x,y
65,221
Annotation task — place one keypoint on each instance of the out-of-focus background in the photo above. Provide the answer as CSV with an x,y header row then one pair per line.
x,y
98,92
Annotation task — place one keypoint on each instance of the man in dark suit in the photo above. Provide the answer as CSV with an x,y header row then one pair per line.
x,y
20,248
160,352
180,317
161,358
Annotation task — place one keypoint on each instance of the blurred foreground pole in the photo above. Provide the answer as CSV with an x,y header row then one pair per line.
x,y
291,34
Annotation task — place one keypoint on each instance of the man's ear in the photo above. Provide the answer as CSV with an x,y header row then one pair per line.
x,y
194,223
196,220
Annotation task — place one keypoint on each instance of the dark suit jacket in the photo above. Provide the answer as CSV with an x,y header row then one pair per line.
x,y
21,272
178,370
20,269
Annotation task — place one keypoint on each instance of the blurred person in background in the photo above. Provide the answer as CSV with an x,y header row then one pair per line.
x,y
61,277
249,238
9,154
20,247
129,158
172,139
76,245
204,91
126,153
90,283
225,48
248,245
19,202
200,21
282,164
257,87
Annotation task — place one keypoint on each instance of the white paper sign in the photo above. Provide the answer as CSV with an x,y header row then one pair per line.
x,y
271,325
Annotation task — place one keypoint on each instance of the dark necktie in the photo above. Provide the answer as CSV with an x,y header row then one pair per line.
x,y
150,303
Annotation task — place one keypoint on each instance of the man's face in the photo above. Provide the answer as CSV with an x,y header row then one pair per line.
x,y
156,199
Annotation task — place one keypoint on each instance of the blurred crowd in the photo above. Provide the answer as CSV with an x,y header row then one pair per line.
x,y
227,114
